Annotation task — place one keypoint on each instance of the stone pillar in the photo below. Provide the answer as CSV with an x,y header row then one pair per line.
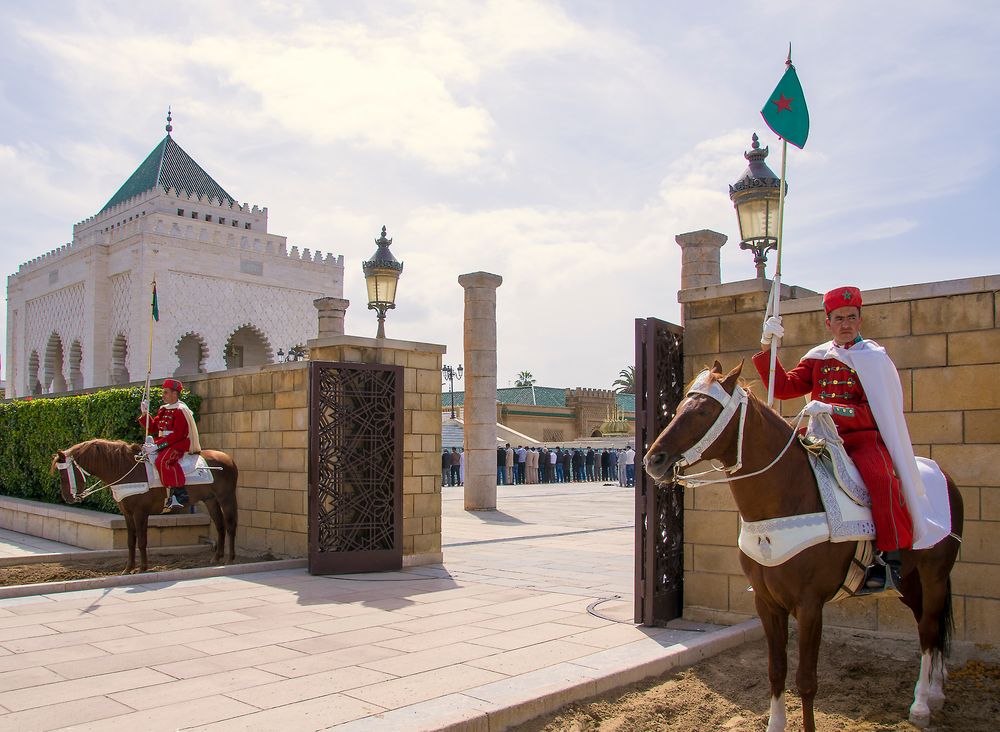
x,y
700,258
480,389
331,315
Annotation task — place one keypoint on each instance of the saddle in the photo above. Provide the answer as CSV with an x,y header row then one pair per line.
x,y
847,515
196,472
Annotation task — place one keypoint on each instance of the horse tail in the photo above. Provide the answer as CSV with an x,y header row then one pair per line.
x,y
946,623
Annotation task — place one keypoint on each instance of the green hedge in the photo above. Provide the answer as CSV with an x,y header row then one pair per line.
x,y
32,430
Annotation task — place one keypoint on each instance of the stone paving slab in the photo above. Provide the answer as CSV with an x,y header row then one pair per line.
x,y
530,610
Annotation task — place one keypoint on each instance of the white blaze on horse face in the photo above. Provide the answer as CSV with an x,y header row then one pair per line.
x,y
776,722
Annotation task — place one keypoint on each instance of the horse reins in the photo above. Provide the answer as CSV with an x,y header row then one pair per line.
x,y
731,403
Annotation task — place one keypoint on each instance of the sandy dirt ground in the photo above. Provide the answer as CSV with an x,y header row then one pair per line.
x,y
25,574
865,684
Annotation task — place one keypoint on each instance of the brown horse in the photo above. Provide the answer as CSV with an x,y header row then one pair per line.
x,y
114,462
805,582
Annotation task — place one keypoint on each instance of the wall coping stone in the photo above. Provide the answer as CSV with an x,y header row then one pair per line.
x,y
77,515
290,366
904,293
740,287
795,299
363,342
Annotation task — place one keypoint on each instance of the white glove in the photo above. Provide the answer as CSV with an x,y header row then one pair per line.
x,y
149,448
144,406
816,408
772,328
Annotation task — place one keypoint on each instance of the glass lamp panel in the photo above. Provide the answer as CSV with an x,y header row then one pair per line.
x,y
757,219
371,280
387,285
382,285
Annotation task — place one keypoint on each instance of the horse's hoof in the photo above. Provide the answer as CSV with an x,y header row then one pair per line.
x,y
920,718
127,570
935,702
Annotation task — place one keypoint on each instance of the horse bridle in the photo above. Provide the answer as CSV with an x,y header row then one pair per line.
x,y
72,466
731,404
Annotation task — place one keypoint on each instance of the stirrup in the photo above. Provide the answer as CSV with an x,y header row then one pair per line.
x,y
881,577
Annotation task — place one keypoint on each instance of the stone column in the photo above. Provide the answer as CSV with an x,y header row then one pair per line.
x,y
700,258
331,315
480,389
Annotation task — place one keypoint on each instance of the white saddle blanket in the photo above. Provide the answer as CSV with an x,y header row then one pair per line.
x,y
775,541
196,471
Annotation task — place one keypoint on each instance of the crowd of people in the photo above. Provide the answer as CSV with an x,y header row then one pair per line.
x,y
521,465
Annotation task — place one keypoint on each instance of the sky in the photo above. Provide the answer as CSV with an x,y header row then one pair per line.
x,y
562,146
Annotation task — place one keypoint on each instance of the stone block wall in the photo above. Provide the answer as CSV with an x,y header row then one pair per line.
x,y
260,417
421,364
944,338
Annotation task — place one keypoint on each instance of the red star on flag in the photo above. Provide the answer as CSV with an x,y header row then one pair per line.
x,y
783,103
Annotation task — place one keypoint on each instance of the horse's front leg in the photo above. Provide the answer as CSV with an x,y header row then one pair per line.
x,y
810,624
775,622
130,529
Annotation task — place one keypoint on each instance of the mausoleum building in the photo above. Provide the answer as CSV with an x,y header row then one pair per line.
x,y
231,293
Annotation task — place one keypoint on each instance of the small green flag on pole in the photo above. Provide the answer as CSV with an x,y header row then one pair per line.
x,y
785,111
156,307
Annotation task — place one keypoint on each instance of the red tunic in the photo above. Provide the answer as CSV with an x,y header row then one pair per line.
x,y
833,382
170,428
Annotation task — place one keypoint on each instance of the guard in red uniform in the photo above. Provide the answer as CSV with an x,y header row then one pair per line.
x,y
174,434
836,389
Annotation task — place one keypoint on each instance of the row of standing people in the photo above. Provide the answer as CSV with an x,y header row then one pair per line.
x,y
453,466
522,465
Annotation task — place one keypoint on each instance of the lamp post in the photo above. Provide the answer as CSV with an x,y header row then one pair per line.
x,y
295,353
450,375
382,275
755,196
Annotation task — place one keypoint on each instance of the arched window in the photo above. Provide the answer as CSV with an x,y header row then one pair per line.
x,y
119,360
191,355
54,381
75,366
34,385
247,346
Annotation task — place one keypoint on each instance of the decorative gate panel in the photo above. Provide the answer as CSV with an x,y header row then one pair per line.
x,y
659,510
355,467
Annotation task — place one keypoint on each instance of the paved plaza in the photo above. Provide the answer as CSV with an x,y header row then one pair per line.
x,y
499,633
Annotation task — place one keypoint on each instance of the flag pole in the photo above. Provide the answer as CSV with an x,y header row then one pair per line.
x,y
774,304
149,361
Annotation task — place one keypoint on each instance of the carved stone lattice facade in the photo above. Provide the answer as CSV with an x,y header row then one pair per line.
x,y
231,293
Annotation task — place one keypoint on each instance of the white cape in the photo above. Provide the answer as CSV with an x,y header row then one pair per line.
x,y
192,426
878,375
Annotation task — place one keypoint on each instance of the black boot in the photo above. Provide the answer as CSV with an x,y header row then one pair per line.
x,y
882,574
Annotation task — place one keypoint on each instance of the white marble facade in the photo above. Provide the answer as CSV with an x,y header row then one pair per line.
x,y
231,294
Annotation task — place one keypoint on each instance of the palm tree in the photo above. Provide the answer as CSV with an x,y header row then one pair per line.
x,y
625,383
525,378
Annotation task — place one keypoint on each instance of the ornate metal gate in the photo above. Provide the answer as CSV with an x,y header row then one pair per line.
x,y
355,467
659,510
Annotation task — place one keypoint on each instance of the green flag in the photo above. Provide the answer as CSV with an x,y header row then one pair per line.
x,y
156,307
785,111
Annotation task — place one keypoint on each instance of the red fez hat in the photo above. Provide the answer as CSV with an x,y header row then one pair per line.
x,y
842,297
173,384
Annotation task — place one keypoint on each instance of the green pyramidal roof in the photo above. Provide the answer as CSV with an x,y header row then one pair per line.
x,y
168,166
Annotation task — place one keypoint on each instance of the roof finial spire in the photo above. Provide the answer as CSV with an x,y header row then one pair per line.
x,y
170,127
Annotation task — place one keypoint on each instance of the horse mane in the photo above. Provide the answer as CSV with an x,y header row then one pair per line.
x,y
100,453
